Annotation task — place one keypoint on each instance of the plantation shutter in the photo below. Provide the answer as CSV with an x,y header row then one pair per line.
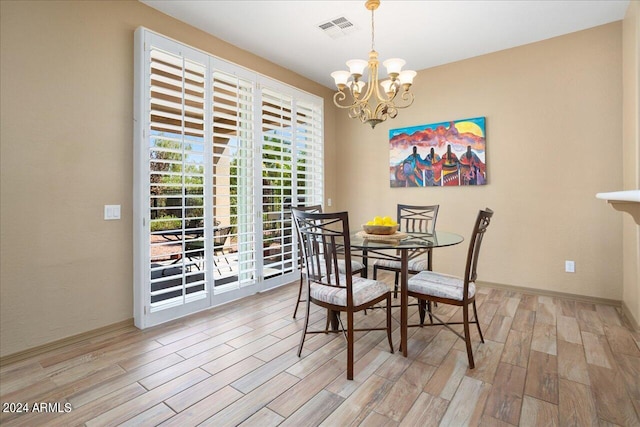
x,y
309,153
233,177
176,157
277,181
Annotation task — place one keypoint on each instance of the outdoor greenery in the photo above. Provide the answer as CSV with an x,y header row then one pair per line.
x,y
166,222
276,182
167,168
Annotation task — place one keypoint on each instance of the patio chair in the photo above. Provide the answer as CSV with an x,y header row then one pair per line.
x,y
220,236
195,249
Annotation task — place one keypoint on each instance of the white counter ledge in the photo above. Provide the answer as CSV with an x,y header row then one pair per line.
x,y
624,201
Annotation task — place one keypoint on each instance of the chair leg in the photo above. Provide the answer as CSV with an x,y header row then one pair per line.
x,y
475,315
395,286
389,322
429,310
304,330
422,309
350,341
216,265
227,261
375,272
295,310
467,335
363,273
326,325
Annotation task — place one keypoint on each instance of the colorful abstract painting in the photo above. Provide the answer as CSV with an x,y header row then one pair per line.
x,y
439,154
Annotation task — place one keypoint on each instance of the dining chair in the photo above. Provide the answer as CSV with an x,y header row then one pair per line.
x,y
431,286
220,236
324,238
411,219
357,267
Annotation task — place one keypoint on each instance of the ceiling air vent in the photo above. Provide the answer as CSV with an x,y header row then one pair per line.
x,y
338,27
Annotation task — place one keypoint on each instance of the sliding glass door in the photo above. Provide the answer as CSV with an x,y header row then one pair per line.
x,y
221,154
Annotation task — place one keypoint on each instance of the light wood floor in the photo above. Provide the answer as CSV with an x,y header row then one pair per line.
x,y
545,361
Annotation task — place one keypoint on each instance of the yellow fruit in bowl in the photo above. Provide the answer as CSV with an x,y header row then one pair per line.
x,y
387,220
370,223
378,221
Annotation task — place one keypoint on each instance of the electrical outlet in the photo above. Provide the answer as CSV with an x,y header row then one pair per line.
x,y
570,266
329,202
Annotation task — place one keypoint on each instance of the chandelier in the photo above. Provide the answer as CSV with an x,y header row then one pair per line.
x,y
374,101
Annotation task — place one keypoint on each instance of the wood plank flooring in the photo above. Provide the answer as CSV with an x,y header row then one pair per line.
x,y
545,361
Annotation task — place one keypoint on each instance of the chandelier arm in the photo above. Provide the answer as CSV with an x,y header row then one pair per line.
x,y
360,110
408,97
368,93
383,108
373,86
341,96
373,76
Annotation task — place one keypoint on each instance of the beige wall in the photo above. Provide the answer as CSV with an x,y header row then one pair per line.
x,y
631,153
554,115
66,151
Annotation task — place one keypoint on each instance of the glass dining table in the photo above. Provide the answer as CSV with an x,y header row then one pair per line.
x,y
400,250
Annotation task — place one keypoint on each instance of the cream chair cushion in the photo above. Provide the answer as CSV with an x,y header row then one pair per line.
x,y
439,285
416,264
355,266
364,290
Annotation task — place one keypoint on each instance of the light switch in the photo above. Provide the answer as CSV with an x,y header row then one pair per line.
x,y
570,266
111,212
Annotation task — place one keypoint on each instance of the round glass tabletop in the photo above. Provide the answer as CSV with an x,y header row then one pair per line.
x,y
411,241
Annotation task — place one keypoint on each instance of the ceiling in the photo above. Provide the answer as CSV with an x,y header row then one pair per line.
x,y
424,33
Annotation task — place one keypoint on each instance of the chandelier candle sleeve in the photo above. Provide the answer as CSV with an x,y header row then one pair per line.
x,y
394,66
365,100
357,66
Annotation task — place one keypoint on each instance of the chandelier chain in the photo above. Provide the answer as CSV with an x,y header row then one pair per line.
x,y
372,31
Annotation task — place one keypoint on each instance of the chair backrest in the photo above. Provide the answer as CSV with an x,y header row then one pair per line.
x,y
310,208
417,219
480,227
323,238
220,235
